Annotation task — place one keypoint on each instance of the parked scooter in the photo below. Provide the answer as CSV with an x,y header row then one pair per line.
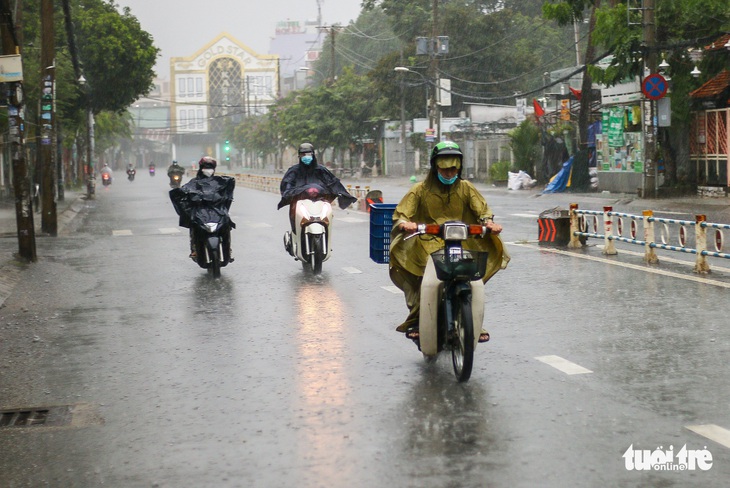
x,y
204,209
311,240
452,296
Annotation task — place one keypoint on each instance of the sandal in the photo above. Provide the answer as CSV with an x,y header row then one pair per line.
x,y
484,336
412,333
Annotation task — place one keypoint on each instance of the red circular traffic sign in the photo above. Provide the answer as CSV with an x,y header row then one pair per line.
x,y
654,86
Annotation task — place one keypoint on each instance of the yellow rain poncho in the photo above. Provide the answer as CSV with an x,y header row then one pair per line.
x,y
430,202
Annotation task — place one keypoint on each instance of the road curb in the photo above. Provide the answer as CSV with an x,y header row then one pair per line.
x,y
9,276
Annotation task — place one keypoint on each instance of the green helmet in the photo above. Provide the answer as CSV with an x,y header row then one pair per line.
x,y
445,148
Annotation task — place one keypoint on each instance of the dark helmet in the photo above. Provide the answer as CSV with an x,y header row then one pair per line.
x,y
207,162
307,148
174,162
446,148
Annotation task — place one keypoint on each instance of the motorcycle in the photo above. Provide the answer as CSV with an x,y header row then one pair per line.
x,y
452,296
131,173
106,179
152,170
175,180
205,211
311,241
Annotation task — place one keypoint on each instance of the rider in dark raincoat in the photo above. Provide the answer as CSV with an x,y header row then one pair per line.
x,y
307,173
206,193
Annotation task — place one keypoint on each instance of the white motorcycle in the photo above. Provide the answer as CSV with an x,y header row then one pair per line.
x,y
452,296
311,240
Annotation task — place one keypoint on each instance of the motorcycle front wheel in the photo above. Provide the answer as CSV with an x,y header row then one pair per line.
x,y
215,263
317,253
462,351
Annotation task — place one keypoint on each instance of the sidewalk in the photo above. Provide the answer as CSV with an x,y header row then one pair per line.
x,y
66,210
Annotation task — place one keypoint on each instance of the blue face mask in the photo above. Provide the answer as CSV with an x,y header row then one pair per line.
x,y
307,159
449,181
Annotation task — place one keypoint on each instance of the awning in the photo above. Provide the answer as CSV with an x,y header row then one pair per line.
x,y
715,92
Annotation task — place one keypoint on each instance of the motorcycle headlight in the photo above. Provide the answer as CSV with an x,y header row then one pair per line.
x,y
211,227
455,232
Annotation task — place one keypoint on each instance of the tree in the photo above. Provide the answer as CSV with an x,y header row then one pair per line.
x,y
360,45
525,144
681,24
117,58
256,134
569,12
493,55
110,127
330,116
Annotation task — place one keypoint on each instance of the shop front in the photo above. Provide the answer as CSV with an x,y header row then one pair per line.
x,y
709,134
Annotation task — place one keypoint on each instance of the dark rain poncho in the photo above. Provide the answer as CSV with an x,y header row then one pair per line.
x,y
203,196
300,176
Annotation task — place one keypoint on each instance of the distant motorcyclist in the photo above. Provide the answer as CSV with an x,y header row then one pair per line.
x,y
304,174
175,172
106,170
205,187
175,169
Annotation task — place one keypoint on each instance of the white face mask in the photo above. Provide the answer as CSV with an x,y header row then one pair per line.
x,y
208,172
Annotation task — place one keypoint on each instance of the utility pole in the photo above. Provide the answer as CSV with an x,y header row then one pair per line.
x,y
650,57
16,124
49,218
433,71
333,29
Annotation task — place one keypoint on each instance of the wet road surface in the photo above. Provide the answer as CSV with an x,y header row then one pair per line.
x,y
272,377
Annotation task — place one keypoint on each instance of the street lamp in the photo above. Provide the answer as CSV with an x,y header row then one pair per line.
x,y
431,108
696,56
404,145
307,69
91,182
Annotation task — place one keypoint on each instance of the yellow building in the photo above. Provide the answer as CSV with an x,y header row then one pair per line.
x,y
221,84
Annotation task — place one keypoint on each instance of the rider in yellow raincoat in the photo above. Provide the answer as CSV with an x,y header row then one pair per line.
x,y
443,196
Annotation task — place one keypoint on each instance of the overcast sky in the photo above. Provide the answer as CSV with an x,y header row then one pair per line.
x,y
181,27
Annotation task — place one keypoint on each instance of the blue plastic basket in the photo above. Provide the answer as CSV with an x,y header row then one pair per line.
x,y
381,222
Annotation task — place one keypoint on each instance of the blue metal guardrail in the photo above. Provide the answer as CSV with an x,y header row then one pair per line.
x,y
613,230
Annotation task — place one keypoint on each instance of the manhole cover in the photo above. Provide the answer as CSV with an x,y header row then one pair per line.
x,y
29,417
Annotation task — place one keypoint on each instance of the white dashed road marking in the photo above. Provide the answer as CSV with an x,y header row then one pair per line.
x,y
258,225
123,232
526,215
391,288
351,219
712,432
563,365
169,230
352,270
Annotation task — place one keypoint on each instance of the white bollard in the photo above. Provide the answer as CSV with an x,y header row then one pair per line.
x,y
650,256
701,264
574,227
609,248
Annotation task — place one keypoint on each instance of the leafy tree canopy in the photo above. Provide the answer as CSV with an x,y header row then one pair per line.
x,y
117,58
117,55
